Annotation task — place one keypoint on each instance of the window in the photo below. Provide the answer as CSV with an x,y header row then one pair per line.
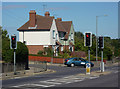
x,y
56,36
53,34
76,59
72,49
69,37
72,36
61,48
59,34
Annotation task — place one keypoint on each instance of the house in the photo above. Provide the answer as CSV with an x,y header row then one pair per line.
x,y
46,31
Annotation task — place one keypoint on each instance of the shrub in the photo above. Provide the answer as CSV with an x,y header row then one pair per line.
x,y
21,53
49,51
40,53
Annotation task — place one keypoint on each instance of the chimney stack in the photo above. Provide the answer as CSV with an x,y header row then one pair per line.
x,y
32,18
47,13
59,19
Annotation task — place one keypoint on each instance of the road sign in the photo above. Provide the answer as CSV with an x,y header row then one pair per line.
x,y
87,68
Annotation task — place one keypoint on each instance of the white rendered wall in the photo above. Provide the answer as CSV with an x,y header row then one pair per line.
x,y
35,37
53,27
21,36
40,37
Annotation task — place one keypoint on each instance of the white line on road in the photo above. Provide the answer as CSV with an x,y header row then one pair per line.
x,y
94,77
50,82
20,85
41,85
116,72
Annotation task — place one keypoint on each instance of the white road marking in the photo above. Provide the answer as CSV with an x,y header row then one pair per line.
x,y
58,81
116,72
41,85
50,82
20,85
79,80
17,77
93,77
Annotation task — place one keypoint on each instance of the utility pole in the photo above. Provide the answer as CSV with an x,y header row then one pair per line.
x,y
96,36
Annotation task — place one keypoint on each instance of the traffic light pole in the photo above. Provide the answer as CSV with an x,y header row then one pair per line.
x,y
89,54
14,62
102,63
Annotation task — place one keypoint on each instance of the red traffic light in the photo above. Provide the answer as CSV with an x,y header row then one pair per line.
x,y
87,36
13,38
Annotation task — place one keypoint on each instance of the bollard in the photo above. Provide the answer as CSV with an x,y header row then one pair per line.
x,y
88,68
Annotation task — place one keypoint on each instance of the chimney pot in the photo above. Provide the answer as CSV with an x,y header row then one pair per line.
x,y
59,19
47,13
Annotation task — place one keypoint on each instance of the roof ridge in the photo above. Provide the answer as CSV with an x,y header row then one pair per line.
x,y
66,21
44,16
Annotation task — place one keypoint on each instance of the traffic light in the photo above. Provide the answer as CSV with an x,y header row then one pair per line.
x,y
13,42
88,39
101,42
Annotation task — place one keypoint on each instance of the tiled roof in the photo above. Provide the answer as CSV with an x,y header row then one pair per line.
x,y
45,23
60,26
42,22
67,26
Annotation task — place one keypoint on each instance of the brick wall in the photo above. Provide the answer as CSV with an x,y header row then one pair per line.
x,y
34,49
48,59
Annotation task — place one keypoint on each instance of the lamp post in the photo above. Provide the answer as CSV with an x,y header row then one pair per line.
x,y
97,33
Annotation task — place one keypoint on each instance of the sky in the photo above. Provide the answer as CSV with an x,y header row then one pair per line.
x,y
83,15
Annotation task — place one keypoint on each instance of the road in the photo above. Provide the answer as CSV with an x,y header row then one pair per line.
x,y
65,77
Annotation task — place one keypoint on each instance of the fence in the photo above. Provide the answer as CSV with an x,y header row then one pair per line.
x,y
9,67
39,66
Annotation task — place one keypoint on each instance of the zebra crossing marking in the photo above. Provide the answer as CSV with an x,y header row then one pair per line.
x,y
57,81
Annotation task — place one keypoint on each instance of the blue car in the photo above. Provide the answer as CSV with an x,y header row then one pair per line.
x,y
77,62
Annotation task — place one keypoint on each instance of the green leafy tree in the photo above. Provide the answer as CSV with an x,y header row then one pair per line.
x,y
108,49
7,53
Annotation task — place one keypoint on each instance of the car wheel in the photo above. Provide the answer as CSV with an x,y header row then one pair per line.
x,y
72,65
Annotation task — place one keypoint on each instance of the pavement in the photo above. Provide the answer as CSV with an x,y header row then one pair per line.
x,y
24,73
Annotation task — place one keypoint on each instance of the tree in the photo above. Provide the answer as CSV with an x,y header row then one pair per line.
x,y
79,45
7,52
